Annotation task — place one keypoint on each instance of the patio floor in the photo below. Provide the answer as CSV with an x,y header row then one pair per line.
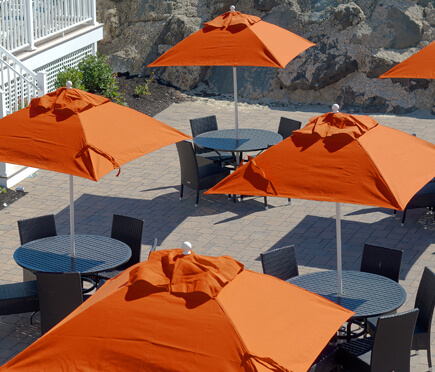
x,y
148,188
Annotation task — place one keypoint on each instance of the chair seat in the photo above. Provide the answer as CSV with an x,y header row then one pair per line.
x,y
18,298
361,349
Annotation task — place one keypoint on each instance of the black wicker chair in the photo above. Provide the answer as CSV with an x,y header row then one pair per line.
x,y
382,261
36,228
425,302
128,230
195,176
287,126
18,298
59,295
280,262
208,124
388,350
33,229
425,198
327,361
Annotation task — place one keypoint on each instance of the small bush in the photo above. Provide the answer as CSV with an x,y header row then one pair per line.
x,y
92,74
144,89
70,74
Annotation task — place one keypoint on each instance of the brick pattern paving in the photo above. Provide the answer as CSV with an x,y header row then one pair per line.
x,y
148,188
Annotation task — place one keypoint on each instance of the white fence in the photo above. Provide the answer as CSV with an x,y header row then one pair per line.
x,y
25,22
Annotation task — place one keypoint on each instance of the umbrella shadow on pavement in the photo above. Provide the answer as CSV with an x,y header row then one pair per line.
x,y
314,241
161,214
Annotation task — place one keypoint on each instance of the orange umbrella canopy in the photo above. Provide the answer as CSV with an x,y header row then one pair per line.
x,y
236,39
420,65
341,158
180,312
81,134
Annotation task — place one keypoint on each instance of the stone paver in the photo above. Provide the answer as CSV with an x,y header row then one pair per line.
x,y
148,187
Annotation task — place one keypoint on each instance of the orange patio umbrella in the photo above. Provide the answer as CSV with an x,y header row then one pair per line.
x,y
80,134
339,158
236,39
178,312
420,65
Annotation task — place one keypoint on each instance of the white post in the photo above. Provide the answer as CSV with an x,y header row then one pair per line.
x,y
338,233
235,102
29,25
94,12
71,215
2,104
41,80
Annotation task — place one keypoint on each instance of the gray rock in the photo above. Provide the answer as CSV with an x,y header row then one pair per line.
x,y
356,42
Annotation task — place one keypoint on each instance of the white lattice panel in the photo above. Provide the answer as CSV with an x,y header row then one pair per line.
x,y
71,60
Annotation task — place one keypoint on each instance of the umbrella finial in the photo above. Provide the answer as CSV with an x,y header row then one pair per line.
x,y
186,248
335,108
68,84
232,8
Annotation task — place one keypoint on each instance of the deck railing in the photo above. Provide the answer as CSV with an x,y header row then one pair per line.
x,y
18,85
26,22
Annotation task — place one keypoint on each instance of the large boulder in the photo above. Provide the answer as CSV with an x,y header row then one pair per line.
x,y
356,42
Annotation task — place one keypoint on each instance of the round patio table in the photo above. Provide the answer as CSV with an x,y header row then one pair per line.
x,y
249,140
366,294
94,254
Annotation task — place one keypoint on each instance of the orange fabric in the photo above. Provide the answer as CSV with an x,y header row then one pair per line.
x,y
255,323
420,65
236,39
364,163
82,134
187,274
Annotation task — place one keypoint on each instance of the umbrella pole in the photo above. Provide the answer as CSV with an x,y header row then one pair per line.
x,y
71,215
338,234
236,111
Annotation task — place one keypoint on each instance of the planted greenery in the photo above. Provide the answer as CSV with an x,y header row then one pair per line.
x,y
144,89
93,74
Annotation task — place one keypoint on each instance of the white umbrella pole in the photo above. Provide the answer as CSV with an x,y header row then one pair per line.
x,y
71,215
235,101
338,234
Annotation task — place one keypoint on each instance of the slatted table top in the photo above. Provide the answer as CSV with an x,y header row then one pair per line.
x,y
94,254
366,294
249,140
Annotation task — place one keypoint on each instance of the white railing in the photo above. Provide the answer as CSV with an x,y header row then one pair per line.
x,y
25,22
18,85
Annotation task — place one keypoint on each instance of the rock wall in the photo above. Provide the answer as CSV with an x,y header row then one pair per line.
x,y
356,41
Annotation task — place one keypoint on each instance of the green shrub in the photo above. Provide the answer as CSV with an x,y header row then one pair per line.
x,y
72,74
92,74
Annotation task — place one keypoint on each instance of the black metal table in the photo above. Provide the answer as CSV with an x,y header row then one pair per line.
x,y
94,254
368,295
249,140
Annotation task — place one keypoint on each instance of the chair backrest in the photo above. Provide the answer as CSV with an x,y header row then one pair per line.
x,y
425,299
392,342
287,126
382,261
280,262
188,164
36,228
129,231
202,125
59,294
